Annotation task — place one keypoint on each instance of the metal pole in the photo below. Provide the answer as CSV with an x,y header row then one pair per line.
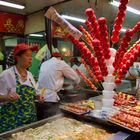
x,y
48,30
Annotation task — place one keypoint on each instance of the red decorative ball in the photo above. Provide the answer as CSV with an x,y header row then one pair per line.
x,y
89,12
114,39
128,63
124,1
125,68
100,77
102,20
96,63
121,72
84,50
129,32
122,7
96,42
119,20
115,32
92,19
117,26
117,81
121,14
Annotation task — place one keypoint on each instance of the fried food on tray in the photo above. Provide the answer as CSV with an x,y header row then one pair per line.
x,y
63,129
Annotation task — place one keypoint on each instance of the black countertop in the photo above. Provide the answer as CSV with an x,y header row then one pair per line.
x,y
45,110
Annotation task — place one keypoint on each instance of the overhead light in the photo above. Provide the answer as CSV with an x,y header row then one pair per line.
x,y
36,35
64,49
130,9
73,18
13,5
123,30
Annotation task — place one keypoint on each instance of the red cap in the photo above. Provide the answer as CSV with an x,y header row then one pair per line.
x,y
56,54
23,46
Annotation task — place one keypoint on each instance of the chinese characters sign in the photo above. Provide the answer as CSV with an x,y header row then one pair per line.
x,y
58,31
12,23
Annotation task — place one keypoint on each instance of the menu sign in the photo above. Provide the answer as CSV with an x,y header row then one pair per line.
x,y
12,23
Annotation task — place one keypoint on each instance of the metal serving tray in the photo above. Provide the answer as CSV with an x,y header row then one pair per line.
x,y
7,135
67,110
32,125
123,126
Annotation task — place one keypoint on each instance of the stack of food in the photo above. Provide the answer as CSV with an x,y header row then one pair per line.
x,y
63,129
124,99
128,118
108,65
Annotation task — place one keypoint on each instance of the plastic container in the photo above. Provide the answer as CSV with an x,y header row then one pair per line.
x,y
96,113
105,112
112,52
108,86
110,69
108,94
109,78
110,61
108,102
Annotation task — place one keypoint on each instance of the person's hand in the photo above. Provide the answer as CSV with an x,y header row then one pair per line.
x,y
40,98
66,85
77,87
12,96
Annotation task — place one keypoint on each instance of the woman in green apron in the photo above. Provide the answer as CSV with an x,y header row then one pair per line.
x,y
17,91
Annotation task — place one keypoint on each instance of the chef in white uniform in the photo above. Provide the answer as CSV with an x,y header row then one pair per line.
x,y
50,82
52,74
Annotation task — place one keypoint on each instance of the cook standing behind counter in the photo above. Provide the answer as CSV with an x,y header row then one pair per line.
x,y
52,74
51,80
17,91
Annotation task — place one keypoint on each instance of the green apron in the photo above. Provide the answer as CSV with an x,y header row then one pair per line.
x,y
20,112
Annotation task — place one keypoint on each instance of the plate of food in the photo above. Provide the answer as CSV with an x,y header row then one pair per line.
x,y
79,108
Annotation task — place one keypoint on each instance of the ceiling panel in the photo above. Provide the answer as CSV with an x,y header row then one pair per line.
x,y
31,6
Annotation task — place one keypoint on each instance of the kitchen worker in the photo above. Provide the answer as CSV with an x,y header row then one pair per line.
x,y
17,91
51,78
52,74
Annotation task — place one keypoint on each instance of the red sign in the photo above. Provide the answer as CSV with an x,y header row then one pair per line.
x,y
58,31
12,23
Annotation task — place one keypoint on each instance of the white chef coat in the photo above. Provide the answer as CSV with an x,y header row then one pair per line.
x,y
8,80
51,77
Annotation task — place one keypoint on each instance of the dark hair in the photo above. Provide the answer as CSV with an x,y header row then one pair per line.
x,y
19,54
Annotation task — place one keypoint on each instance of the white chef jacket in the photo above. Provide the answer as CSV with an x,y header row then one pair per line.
x,y
51,77
8,80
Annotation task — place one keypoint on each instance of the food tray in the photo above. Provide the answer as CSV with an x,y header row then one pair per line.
x,y
119,135
65,109
122,126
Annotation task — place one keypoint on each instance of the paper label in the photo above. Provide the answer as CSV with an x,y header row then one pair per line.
x,y
1,69
68,28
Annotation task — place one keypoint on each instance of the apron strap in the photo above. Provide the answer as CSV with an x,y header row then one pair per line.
x,y
17,78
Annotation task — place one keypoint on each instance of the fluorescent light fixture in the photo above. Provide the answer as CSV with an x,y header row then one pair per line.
x,y
115,3
73,18
123,30
36,35
13,5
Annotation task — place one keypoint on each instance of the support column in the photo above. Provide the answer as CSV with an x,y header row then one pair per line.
x,y
2,49
48,31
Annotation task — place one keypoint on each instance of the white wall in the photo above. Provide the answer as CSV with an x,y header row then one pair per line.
x,y
35,22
